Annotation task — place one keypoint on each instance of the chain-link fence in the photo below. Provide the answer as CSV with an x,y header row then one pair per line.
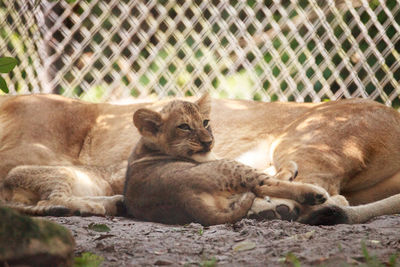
x,y
304,50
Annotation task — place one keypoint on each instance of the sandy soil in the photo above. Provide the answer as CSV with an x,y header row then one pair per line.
x,y
245,243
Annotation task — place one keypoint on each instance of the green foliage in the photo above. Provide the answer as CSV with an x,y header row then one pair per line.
x,y
393,260
209,262
7,64
201,231
88,259
3,85
291,258
94,94
373,261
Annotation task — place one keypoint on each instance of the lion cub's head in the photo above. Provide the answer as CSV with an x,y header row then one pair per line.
x,y
180,129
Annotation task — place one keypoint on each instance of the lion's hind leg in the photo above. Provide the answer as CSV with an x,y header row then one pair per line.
x,y
51,187
25,202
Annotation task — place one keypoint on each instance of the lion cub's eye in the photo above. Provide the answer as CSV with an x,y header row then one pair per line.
x,y
205,123
184,126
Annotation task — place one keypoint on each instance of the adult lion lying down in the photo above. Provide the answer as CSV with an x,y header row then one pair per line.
x,y
60,155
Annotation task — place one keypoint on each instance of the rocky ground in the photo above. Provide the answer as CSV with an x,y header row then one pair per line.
x,y
125,242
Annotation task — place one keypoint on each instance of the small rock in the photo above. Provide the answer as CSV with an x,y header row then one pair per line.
x,y
112,258
107,248
33,242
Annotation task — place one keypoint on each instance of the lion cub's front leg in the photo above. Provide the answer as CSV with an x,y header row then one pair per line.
x,y
263,185
303,193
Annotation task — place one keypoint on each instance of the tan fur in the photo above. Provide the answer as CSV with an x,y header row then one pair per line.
x,y
349,147
165,183
82,190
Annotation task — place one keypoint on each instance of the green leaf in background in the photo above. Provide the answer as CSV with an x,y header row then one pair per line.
x,y
99,227
3,85
7,64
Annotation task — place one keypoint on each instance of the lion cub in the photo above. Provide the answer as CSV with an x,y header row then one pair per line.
x,y
171,177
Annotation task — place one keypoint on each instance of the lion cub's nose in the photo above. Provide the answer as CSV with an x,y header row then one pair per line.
x,y
206,145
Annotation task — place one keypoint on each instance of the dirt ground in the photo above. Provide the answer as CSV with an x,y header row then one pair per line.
x,y
129,242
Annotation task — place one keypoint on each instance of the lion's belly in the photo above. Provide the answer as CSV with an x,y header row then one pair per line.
x,y
259,156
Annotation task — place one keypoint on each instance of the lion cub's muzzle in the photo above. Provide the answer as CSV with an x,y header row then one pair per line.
x,y
205,140
206,146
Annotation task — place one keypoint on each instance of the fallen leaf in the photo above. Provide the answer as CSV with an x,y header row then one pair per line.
x,y
244,245
99,227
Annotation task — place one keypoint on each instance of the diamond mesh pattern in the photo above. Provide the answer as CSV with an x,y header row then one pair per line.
x,y
305,50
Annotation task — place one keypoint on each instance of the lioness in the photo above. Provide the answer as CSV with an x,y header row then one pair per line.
x,y
351,148
166,183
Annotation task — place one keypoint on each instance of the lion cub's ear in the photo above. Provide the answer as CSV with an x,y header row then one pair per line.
x,y
204,103
147,121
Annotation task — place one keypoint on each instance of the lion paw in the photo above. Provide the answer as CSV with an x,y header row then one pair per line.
x,y
114,205
85,208
90,208
313,199
313,195
270,209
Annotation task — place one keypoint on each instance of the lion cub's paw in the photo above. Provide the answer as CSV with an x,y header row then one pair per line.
x,y
313,195
273,208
